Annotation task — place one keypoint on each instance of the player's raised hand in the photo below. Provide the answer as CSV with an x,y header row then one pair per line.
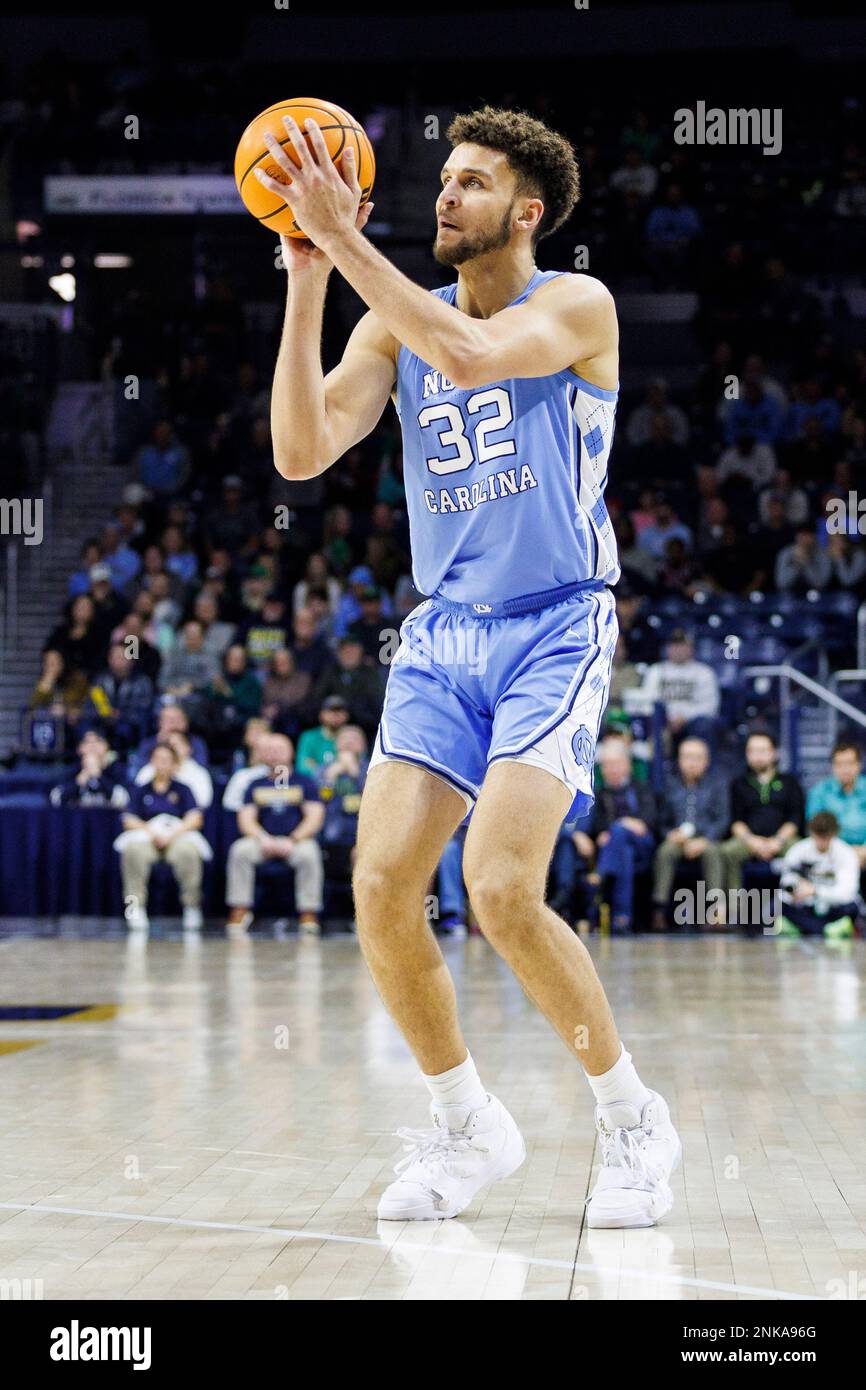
x,y
325,200
300,254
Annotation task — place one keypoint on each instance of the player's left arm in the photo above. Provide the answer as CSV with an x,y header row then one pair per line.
x,y
568,320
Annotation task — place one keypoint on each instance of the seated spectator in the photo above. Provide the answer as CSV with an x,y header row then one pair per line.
x,y
188,669
624,674
162,821
172,717
639,568
573,858
810,402
249,764
748,459
131,632
665,527
671,231
820,883
635,175
340,787
643,515
233,524
285,691
108,606
350,607
128,516
679,570
844,794
360,686
766,810
166,610
639,429
153,564
163,464
803,565
188,770
97,782
847,564
755,413
78,639
179,558
58,691
688,689
639,133
121,698
316,572
318,747
122,561
772,532
622,824
694,818
631,612
235,692
731,567
217,634
388,554
617,725
793,501
369,628
280,819
336,540
317,605
266,632
311,652
79,582
221,585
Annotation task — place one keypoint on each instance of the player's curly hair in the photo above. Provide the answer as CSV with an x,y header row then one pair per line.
x,y
544,162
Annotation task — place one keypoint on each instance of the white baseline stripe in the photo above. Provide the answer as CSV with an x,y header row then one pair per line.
x,y
283,1234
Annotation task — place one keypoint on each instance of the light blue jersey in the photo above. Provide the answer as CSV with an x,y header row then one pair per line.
x,y
505,483
509,658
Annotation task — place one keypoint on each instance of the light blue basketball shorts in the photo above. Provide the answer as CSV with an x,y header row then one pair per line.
x,y
468,688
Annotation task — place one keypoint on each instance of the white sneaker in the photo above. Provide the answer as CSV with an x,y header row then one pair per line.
x,y
445,1167
192,919
138,920
640,1150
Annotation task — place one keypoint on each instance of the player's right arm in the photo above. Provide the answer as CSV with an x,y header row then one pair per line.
x,y
314,418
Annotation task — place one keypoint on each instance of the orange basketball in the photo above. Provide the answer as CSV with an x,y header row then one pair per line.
x,y
341,131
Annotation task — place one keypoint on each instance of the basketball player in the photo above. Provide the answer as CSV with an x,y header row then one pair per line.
x,y
505,382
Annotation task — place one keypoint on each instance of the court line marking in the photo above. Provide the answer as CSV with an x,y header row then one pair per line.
x,y
537,1261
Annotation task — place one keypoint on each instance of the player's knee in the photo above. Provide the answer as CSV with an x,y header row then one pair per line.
x,y
381,887
501,897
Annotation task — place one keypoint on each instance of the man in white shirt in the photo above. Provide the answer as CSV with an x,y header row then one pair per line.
x,y
747,459
688,689
820,883
256,731
635,175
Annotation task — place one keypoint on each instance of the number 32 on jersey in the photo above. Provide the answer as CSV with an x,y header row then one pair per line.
x,y
484,414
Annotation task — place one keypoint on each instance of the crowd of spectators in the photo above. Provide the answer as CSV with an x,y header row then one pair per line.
x,y
635,846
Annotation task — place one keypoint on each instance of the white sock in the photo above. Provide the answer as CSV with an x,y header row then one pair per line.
x,y
620,1085
459,1086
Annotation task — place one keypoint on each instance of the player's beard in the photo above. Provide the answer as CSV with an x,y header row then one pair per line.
x,y
469,248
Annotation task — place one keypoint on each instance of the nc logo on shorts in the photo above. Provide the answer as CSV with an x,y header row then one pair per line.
x,y
583,747
482,607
